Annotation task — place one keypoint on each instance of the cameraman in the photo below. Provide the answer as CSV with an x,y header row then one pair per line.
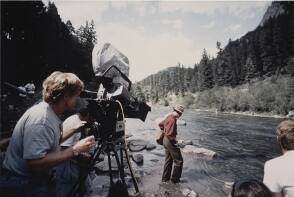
x,y
69,172
34,147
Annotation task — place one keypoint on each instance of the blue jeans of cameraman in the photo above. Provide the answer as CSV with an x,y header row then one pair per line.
x,y
67,175
14,185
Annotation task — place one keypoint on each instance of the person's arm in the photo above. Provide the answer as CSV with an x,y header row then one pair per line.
x,y
53,159
68,132
161,124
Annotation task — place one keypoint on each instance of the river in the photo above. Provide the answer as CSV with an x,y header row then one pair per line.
x,y
242,144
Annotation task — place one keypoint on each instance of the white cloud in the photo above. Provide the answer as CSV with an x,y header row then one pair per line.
x,y
78,12
196,7
233,28
177,24
149,54
209,25
119,4
242,9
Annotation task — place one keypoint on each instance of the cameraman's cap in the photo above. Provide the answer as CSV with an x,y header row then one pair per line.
x,y
179,109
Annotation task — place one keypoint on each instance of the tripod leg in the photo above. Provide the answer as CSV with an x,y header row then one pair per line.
x,y
131,170
122,162
120,167
110,170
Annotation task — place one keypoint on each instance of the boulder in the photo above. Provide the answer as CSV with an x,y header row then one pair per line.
x,y
189,149
183,143
138,159
150,146
189,193
137,145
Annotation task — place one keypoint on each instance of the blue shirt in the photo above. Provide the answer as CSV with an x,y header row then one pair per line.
x,y
36,133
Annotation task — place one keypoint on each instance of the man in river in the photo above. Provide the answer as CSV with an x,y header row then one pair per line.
x,y
172,152
34,147
279,172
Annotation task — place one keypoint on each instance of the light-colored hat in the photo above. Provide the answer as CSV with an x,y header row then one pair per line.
x,y
179,109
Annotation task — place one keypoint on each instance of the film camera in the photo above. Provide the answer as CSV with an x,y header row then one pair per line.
x,y
113,101
109,106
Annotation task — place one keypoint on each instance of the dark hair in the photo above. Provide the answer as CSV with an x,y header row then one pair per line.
x,y
285,132
250,188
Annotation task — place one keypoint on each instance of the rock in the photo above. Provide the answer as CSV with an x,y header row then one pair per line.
x,y
192,194
189,193
183,143
194,150
138,158
150,146
185,191
137,145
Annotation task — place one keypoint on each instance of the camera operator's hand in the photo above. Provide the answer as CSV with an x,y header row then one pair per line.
x,y
84,145
79,125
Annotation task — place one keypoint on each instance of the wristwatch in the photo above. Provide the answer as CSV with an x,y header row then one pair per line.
x,y
75,151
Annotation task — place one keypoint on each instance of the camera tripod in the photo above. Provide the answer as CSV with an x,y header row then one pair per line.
x,y
108,147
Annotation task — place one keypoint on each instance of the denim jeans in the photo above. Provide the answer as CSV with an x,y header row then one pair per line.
x,y
12,184
67,175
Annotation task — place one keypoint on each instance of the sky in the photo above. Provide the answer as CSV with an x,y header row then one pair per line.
x,y
155,35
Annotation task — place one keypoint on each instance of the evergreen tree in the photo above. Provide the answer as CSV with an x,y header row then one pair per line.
x,y
205,73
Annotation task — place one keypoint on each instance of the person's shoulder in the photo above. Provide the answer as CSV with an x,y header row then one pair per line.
x,y
275,163
171,117
41,113
38,110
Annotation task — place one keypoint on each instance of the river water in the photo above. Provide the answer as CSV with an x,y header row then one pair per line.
x,y
242,144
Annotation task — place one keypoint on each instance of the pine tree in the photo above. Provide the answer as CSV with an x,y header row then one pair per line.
x,y
71,29
205,73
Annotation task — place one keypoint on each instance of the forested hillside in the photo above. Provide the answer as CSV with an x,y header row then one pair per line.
x,y
267,51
